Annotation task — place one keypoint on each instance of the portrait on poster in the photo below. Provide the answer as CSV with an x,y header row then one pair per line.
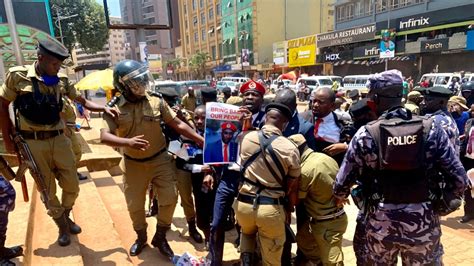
x,y
220,137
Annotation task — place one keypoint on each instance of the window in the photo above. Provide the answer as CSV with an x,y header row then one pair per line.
x,y
187,39
203,18
211,13
149,9
185,9
201,3
369,7
213,52
194,5
381,5
229,4
395,4
195,21
350,11
218,9
196,36
150,20
186,23
203,34
359,11
340,13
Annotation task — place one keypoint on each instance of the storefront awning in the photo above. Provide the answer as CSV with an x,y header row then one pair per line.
x,y
373,61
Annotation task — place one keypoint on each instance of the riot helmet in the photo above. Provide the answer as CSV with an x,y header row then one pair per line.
x,y
467,91
132,79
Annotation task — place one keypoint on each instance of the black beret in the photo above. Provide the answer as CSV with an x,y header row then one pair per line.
x,y
226,90
168,92
208,92
53,48
353,93
437,91
359,108
280,107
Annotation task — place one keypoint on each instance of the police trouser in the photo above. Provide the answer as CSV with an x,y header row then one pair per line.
x,y
266,220
204,204
55,160
225,194
75,144
359,242
468,199
137,176
322,240
185,190
7,204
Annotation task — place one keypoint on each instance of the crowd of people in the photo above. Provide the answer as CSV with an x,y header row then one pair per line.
x,y
371,147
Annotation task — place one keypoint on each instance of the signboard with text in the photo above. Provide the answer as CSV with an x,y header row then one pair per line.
x,y
352,35
434,45
387,45
279,53
155,64
302,51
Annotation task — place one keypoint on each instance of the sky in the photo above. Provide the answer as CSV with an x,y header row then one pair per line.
x,y
114,7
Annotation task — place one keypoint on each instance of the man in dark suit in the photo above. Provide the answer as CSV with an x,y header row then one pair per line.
x,y
296,125
224,150
327,125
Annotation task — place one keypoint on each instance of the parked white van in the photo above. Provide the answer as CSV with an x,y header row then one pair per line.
x,y
356,82
236,79
440,79
314,82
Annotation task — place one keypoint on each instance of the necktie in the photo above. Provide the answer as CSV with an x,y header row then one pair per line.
x,y
316,127
226,157
470,142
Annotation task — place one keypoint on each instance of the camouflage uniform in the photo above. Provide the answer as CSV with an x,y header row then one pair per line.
x,y
412,229
444,118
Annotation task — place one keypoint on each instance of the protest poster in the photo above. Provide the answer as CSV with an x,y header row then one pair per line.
x,y
220,137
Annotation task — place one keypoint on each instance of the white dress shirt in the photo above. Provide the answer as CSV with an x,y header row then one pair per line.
x,y
328,130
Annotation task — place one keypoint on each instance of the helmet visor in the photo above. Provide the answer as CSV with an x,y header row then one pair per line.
x,y
139,81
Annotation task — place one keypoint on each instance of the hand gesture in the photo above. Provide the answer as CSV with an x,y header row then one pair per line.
x,y
341,202
335,149
113,112
208,181
246,118
138,143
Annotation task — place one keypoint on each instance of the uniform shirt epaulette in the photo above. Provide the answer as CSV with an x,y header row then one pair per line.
x,y
61,75
113,101
18,68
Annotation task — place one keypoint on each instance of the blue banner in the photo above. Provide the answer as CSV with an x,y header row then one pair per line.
x,y
470,40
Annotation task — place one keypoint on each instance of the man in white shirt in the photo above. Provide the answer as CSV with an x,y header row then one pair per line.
x,y
327,125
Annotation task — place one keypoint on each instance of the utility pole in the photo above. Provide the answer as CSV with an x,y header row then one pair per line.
x,y
13,33
388,28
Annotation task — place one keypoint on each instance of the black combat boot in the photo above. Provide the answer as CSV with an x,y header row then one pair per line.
x,y
139,244
159,241
63,239
193,232
8,253
73,227
246,259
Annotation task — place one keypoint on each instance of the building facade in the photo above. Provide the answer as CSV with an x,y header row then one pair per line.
x,y
161,42
113,51
238,35
431,36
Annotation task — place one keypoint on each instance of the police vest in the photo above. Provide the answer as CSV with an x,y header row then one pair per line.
x,y
400,176
42,109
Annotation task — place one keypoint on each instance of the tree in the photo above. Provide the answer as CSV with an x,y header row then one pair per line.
x,y
88,28
198,64
175,63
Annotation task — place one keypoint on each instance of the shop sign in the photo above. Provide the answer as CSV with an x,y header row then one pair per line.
x,y
367,51
470,40
279,53
352,35
332,57
429,19
302,51
434,45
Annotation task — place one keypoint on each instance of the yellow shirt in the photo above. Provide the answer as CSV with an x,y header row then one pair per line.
x,y
189,102
142,118
285,150
318,172
18,82
235,100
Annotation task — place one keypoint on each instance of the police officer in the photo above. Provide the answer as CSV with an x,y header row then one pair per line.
x,y
414,99
270,164
36,91
467,91
320,238
183,176
435,103
138,131
375,156
189,100
7,204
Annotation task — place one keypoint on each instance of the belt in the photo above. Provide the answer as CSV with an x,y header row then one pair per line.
x,y
334,215
260,200
147,158
40,135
